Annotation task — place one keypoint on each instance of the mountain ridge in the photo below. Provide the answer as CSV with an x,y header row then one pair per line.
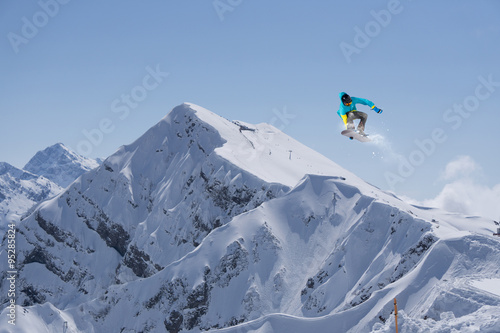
x,y
44,176
59,164
204,224
20,190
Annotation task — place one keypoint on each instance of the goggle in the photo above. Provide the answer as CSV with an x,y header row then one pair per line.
x,y
347,104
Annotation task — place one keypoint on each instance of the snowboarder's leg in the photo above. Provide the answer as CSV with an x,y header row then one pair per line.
x,y
362,117
362,120
350,120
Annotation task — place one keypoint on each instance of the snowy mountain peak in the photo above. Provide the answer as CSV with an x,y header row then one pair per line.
x,y
262,149
206,224
6,168
59,164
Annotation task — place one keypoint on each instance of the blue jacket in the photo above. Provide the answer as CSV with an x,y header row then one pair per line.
x,y
347,108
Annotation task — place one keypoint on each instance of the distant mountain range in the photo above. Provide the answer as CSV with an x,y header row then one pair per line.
x,y
60,165
44,176
206,224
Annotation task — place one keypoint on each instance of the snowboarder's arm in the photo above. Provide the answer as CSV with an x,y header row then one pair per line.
x,y
357,100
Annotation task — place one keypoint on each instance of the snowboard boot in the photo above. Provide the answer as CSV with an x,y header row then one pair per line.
x,y
361,132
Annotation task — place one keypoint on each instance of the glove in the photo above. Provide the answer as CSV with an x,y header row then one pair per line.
x,y
376,109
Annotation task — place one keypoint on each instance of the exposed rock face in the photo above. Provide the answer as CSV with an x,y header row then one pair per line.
x,y
185,230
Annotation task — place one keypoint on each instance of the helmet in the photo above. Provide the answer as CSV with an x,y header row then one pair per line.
x,y
346,99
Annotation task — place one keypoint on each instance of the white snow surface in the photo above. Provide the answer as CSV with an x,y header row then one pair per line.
x,y
205,224
489,285
44,176
19,191
267,152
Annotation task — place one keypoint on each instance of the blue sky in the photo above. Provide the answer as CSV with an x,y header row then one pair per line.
x,y
71,68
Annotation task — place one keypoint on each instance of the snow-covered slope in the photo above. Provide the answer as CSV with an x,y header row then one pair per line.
x,y
59,164
326,257
205,224
19,191
45,175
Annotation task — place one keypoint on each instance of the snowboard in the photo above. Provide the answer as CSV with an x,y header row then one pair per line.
x,y
352,134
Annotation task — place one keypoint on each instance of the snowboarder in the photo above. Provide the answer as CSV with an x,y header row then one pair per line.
x,y
348,112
